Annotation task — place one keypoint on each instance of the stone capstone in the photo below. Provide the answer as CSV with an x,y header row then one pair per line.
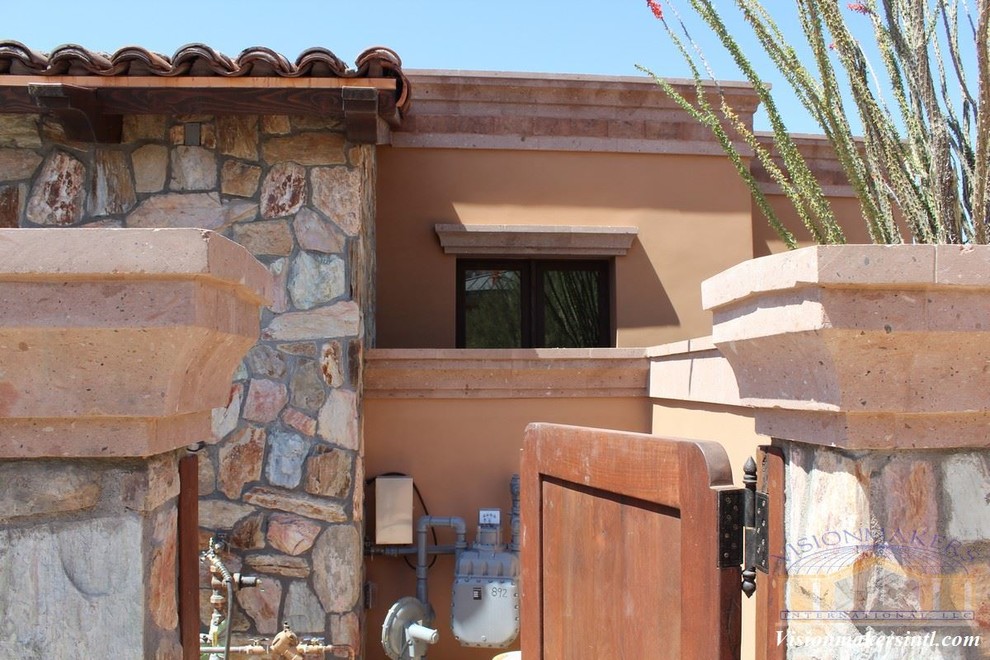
x,y
337,193
302,609
286,454
335,555
58,195
283,191
241,459
291,534
112,190
316,279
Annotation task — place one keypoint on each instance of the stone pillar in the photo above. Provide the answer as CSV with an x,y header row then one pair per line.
x,y
115,344
869,366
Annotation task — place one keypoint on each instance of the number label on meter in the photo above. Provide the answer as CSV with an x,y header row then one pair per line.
x,y
490,517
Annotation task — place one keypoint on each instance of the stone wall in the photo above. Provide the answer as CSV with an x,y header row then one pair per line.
x,y
285,481
95,540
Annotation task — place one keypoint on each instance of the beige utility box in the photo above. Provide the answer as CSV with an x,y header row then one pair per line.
x,y
393,510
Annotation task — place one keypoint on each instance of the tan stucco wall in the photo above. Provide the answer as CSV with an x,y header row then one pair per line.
x,y
845,208
462,453
692,212
732,427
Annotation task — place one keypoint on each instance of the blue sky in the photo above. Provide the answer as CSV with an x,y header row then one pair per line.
x,y
581,36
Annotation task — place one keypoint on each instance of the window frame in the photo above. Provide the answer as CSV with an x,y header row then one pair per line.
x,y
532,305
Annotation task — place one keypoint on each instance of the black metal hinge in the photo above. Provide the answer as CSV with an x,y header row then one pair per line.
x,y
743,527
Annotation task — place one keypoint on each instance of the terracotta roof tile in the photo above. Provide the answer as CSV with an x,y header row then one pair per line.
x,y
200,60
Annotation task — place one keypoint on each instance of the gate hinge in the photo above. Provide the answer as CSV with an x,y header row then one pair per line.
x,y
742,528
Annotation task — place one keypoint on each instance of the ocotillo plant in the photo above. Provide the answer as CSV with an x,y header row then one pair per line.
x,y
923,160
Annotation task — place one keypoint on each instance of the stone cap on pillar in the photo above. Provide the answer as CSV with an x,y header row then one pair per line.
x,y
861,346
119,342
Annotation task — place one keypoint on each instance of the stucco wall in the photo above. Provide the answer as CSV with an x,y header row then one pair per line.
x,y
692,213
693,394
461,442
281,482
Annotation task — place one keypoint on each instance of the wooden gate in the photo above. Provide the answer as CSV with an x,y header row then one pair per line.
x,y
619,548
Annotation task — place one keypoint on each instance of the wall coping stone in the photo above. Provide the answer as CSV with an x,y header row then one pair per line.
x,y
119,342
559,112
694,371
505,373
860,346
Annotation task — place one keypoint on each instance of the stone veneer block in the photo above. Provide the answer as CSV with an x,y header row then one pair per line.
x,y
860,346
306,149
119,342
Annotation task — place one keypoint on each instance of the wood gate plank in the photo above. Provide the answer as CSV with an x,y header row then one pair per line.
x,y
619,548
770,589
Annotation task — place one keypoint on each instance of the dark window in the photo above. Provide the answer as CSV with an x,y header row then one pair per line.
x,y
517,303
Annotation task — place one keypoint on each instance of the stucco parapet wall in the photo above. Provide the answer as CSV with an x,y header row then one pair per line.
x,y
505,373
861,346
557,112
119,342
820,156
692,370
